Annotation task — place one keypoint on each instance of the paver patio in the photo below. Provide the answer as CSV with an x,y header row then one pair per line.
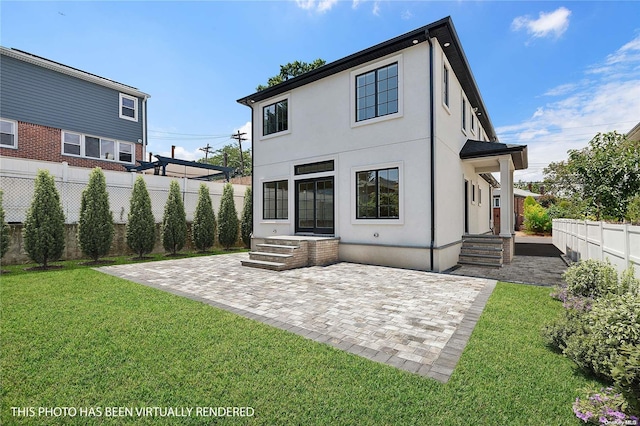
x,y
416,321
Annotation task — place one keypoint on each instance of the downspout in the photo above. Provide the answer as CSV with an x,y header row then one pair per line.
x,y
144,127
432,141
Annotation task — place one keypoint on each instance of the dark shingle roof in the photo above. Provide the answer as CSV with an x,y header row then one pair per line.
x,y
479,149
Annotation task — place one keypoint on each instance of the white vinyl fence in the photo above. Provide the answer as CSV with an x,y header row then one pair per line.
x,y
584,239
17,177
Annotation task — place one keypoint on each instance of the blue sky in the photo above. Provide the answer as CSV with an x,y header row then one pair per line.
x,y
552,74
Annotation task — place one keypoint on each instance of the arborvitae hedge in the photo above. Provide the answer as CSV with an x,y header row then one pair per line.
x,y
95,227
44,225
246,227
204,221
140,223
227,219
174,221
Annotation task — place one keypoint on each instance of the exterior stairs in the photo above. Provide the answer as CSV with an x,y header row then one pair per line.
x,y
481,250
276,255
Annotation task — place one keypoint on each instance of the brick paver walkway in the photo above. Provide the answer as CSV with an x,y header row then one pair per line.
x,y
415,321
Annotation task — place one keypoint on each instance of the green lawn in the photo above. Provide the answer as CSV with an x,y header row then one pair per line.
x,y
79,338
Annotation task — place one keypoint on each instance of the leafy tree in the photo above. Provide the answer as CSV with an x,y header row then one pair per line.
x,y
95,227
606,174
633,210
44,225
204,221
529,202
290,70
233,158
246,227
4,231
174,220
227,219
537,187
140,233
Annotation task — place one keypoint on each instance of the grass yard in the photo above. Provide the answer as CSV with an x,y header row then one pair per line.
x,y
80,338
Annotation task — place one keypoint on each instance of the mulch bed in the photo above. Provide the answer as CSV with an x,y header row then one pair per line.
x,y
97,263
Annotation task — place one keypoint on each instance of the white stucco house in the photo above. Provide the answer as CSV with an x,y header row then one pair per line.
x,y
387,152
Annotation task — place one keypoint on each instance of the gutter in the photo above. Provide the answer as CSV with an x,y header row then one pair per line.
x,y
144,127
432,151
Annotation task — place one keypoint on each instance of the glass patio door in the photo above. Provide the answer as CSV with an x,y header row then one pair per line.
x,y
314,206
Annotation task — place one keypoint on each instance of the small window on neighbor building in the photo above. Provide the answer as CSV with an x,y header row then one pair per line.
x,y
473,193
128,107
445,86
8,134
479,196
496,202
71,143
125,152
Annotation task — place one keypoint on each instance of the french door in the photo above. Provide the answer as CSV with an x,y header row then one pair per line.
x,y
315,206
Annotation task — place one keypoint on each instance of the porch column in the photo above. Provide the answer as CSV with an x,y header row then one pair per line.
x,y
506,197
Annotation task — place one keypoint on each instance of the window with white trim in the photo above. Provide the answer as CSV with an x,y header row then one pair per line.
x,y
8,133
464,115
79,145
473,193
377,92
473,119
479,195
128,107
377,194
496,202
275,200
275,117
445,86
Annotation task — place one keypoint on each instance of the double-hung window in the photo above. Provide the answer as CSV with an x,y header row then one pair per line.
x,y
8,134
71,143
275,200
128,107
377,93
377,194
275,118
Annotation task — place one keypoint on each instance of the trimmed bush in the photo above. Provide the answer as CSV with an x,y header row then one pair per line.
x,y
227,219
591,278
204,221
529,202
246,227
44,225
95,227
626,373
4,231
536,219
140,234
174,220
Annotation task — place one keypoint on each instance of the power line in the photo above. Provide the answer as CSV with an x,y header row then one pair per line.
x,y
239,137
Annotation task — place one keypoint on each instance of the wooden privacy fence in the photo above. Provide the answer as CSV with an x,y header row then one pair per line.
x,y
584,239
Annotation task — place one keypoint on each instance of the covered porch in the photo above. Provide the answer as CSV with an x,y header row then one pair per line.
x,y
495,157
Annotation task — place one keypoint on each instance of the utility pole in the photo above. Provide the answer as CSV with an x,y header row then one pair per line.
x,y
207,150
239,137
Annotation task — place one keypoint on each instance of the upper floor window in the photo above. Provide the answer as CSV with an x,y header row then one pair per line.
x,y
8,133
464,114
496,201
275,200
473,120
275,118
445,86
93,147
128,107
377,93
377,194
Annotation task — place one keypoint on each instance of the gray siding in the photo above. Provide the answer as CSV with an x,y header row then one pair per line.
x,y
41,96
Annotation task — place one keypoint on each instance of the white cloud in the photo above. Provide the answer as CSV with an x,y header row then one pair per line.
x,y
376,8
183,154
623,59
320,6
406,15
581,109
245,128
553,23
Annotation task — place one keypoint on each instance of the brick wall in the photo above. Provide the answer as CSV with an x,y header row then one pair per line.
x,y
36,142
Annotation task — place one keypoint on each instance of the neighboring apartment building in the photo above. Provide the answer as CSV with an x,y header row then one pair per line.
x,y
53,112
389,149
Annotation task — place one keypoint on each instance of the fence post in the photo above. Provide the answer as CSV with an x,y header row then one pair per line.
x,y
627,246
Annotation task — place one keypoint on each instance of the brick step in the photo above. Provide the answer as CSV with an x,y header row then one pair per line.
x,y
269,256
263,264
481,258
283,242
276,248
481,250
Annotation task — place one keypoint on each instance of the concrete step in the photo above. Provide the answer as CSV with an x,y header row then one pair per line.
x,y
490,265
263,264
481,254
269,256
282,241
482,241
481,250
482,236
